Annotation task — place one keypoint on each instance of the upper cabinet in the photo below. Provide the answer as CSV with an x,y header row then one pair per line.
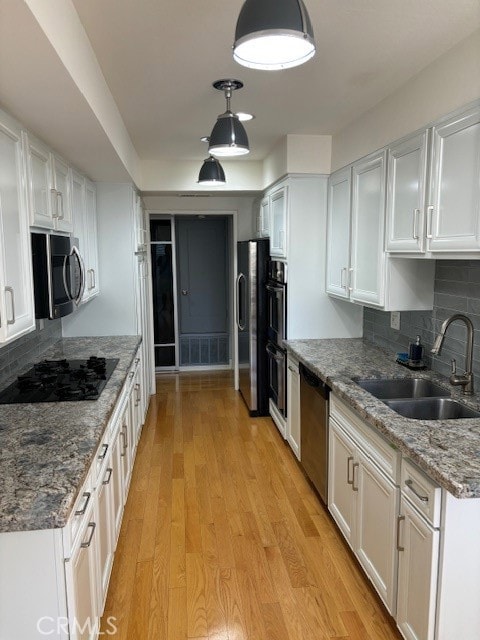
x,y
453,209
48,180
338,225
263,219
17,315
358,268
84,212
406,194
368,214
433,190
278,203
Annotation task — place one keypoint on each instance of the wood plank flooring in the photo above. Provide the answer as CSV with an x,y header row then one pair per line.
x,y
223,537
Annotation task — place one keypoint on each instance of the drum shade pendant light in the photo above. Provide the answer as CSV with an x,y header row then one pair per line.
x,y
211,173
273,34
228,137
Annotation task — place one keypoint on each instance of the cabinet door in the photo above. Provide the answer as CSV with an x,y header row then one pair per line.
x,y
105,526
77,199
293,404
117,488
91,256
278,223
417,575
368,215
81,586
377,509
453,212
136,405
61,205
341,497
17,315
338,232
39,181
264,218
406,192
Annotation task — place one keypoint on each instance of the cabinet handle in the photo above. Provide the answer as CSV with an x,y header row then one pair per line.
x,y
416,213
349,460
60,195
137,394
12,296
409,484
105,449
125,438
399,521
429,221
355,466
54,194
109,472
94,278
350,279
86,544
131,374
292,369
87,495
343,278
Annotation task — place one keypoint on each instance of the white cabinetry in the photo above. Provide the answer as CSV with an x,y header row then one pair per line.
x,y
91,250
365,273
39,181
363,496
17,315
263,218
293,405
60,195
406,193
338,232
453,210
278,207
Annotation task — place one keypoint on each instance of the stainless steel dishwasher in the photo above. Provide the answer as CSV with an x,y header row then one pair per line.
x,y
314,429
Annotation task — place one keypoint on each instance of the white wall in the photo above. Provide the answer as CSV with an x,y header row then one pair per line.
x,y
242,204
450,82
297,154
113,311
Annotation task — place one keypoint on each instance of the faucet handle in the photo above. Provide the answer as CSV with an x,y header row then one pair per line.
x,y
454,366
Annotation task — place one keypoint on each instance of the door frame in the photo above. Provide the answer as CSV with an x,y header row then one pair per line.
x,y
232,216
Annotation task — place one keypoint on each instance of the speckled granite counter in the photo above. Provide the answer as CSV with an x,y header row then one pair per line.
x,y
46,449
447,450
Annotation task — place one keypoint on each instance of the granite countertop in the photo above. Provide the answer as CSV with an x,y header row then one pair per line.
x,y
46,449
447,450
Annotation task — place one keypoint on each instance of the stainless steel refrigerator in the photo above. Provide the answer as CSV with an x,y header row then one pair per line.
x,y
251,298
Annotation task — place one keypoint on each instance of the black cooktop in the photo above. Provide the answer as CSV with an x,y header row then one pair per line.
x,y
60,381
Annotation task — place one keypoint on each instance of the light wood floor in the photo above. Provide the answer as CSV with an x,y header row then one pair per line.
x,y
222,536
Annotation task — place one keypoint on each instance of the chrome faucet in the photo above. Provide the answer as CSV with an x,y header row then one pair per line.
x,y
466,380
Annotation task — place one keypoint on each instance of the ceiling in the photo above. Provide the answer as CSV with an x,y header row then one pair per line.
x,y
160,57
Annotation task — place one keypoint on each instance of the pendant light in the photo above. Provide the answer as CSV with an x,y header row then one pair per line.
x,y
273,34
228,137
211,173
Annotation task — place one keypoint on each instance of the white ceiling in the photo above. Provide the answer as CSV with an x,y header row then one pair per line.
x,y
160,57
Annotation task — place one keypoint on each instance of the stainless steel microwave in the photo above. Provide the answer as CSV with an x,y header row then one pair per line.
x,y
58,275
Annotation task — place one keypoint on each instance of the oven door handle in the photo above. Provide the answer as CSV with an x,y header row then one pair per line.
x,y
275,356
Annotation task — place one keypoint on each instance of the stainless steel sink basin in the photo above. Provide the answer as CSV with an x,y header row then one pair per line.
x,y
402,388
432,409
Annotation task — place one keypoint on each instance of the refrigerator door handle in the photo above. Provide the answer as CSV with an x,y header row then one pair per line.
x,y
241,325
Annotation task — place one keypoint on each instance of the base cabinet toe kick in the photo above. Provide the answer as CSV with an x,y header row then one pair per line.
x,y
54,582
416,542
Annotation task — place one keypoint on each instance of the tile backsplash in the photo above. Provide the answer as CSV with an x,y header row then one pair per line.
x,y
457,290
28,348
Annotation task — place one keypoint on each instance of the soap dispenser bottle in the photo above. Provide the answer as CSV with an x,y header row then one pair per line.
x,y
415,351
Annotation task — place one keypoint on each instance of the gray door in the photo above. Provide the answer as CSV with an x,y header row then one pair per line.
x,y
202,252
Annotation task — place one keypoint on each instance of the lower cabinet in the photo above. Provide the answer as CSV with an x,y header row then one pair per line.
x,y
293,406
417,574
54,582
364,503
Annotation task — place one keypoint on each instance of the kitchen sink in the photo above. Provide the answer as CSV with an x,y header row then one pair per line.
x,y
432,409
393,389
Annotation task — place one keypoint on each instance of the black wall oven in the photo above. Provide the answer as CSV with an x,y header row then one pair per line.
x,y
277,333
58,275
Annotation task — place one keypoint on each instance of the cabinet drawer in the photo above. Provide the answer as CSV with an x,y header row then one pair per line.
x,y
79,516
375,446
421,491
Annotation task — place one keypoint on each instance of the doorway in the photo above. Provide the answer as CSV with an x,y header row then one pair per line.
x,y
192,261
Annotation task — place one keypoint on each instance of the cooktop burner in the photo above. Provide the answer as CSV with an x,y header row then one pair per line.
x,y
61,380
